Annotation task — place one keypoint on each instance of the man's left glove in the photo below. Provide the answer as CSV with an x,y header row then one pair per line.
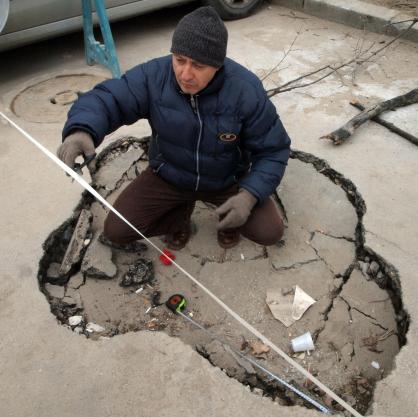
x,y
236,210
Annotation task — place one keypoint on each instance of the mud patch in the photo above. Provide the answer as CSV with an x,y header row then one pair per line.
x,y
358,322
48,101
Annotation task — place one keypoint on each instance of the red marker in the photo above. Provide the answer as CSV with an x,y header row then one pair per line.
x,y
166,257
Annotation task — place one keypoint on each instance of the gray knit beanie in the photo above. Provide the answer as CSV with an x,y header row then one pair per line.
x,y
201,35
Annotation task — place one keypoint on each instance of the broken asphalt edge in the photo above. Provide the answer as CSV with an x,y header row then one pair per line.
x,y
391,282
357,14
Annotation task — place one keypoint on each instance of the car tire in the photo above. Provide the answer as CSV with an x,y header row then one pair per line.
x,y
233,9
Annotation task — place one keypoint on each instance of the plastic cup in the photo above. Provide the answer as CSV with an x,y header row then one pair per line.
x,y
303,343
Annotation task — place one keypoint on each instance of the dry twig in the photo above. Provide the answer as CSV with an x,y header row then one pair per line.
x,y
365,57
284,56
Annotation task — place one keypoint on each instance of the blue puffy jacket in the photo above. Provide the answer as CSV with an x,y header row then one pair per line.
x,y
198,142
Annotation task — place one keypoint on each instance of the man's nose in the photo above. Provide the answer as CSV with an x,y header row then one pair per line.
x,y
187,73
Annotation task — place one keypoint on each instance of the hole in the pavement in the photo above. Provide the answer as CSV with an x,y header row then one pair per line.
x,y
358,322
48,101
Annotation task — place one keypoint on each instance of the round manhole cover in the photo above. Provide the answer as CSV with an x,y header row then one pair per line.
x,y
48,101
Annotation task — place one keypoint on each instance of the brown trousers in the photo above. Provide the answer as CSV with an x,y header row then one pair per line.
x,y
156,207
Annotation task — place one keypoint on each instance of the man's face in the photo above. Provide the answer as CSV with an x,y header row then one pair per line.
x,y
192,76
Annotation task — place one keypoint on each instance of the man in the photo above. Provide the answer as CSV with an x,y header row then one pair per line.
x,y
215,137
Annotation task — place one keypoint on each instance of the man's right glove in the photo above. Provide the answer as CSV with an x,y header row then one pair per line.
x,y
76,144
236,210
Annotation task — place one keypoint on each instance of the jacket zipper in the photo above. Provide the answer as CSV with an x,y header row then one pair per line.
x,y
194,103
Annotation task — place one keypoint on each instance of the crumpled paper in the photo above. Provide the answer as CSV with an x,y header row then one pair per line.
x,y
288,308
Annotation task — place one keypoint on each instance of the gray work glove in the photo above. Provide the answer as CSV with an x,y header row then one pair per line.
x,y
236,210
76,144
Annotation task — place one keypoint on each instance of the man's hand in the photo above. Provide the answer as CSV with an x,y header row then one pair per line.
x,y
236,210
76,144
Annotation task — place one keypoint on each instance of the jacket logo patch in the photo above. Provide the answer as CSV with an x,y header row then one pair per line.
x,y
227,137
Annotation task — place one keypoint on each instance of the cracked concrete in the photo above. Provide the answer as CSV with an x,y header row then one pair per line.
x,y
320,264
109,374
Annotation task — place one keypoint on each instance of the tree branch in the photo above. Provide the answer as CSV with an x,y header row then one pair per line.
x,y
344,132
390,126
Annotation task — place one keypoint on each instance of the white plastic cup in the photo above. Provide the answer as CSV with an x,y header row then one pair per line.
x,y
303,343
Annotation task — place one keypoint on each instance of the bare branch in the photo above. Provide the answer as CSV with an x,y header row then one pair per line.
x,y
365,57
284,56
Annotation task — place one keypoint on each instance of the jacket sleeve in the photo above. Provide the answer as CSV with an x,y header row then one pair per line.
x,y
267,141
109,105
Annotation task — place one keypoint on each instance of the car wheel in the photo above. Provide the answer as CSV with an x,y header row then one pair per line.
x,y
233,9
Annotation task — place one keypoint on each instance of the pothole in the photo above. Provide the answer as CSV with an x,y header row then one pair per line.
x,y
48,101
358,322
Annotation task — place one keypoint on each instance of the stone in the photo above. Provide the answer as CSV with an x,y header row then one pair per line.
x,y
73,298
373,268
56,291
78,330
75,320
94,328
76,281
364,266
97,261
75,248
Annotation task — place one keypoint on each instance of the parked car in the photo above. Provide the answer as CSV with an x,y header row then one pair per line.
x,y
26,21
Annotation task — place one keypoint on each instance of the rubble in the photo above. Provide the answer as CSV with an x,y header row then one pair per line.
x,y
56,291
97,261
94,328
74,251
141,272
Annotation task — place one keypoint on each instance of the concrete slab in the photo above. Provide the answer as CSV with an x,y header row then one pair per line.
x,y
106,376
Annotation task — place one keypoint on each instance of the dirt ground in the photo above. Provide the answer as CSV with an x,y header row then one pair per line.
x,y
353,322
408,6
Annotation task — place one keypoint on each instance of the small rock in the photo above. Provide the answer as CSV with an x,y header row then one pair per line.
x,y
86,242
375,365
93,327
78,330
373,268
72,297
258,391
56,291
75,320
76,281
364,267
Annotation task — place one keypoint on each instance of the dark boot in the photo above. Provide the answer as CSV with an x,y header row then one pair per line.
x,y
228,238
